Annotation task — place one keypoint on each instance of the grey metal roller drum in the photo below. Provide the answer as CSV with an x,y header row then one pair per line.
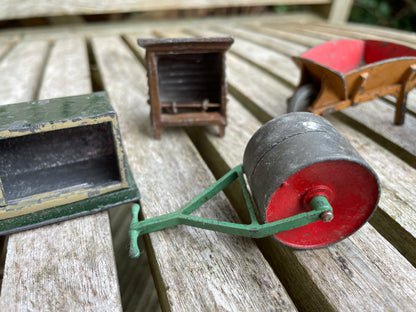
x,y
298,156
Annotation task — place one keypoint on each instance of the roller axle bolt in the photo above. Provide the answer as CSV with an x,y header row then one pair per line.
x,y
299,163
326,216
320,202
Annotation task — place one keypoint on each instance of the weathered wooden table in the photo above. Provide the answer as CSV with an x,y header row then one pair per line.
x,y
193,269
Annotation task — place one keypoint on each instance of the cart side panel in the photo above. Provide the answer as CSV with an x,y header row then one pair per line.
x,y
304,74
376,51
384,78
330,83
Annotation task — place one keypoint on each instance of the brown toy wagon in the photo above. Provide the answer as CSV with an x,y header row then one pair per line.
x,y
343,73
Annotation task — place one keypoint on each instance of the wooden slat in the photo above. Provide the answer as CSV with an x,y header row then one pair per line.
x,y
284,34
335,32
349,257
362,273
398,198
70,265
357,32
194,268
20,71
308,31
265,89
8,36
376,115
137,289
275,43
370,116
24,78
230,150
252,90
269,60
365,32
340,11
67,71
4,48
357,255
12,9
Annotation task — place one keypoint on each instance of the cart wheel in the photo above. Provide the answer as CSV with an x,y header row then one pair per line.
x,y
302,98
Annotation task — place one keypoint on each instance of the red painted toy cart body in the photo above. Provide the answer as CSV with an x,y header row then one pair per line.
x,y
342,73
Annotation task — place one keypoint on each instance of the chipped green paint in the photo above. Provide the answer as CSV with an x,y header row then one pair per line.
x,y
34,114
318,206
61,158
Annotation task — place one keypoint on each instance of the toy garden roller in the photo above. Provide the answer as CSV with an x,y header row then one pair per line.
x,y
310,187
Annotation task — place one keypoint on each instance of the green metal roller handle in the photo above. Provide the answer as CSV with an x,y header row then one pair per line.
x,y
320,210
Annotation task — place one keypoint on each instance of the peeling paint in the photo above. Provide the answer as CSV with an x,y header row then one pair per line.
x,y
49,163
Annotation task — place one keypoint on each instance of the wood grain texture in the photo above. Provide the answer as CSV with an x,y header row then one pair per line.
x,y
67,70
275,43
355,30
255,89
363,32
267,59
11,9
194,268
137,289
4,48
398,196
340,287
340,11
344,269
14,35
361,273
284,34
376,115
264,88
67,266
69,270
269,99
339,290
199,269
308,31
318,30
20,71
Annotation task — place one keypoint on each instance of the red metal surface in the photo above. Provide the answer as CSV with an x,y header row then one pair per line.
x,y
376,51
341,55
350,72
350,188
347,55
